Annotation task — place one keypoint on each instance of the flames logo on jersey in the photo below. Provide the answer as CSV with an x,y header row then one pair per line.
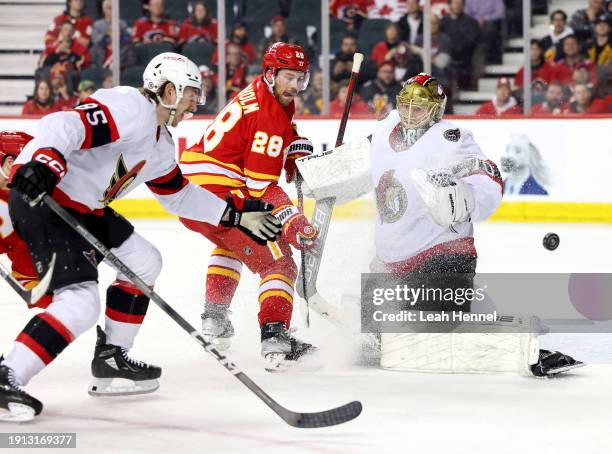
x,y
391,198
120,180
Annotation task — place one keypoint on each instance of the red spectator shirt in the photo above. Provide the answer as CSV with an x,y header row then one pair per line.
x,y
488,108
358,106
544,72
147,31
66,104
379,52
598,106
543,109
562,73
346,10
31,108
190,32
247,49
82,28
77,52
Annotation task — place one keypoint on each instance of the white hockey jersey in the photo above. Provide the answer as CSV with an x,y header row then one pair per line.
x,y
109,145
405,235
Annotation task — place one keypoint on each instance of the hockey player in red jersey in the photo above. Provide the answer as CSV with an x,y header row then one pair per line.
x,y
86,158
11,144
243,153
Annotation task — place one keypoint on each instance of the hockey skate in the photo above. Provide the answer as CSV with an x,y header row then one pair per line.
x,y
19,405
281,351
116,374
553,363
217,328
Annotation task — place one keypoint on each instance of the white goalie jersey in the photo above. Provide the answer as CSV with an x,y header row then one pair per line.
x,y
404,228
106,147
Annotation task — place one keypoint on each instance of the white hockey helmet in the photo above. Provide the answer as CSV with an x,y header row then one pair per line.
x,y
175,68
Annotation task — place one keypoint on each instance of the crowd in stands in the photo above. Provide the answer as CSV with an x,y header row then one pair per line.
x,y
570,67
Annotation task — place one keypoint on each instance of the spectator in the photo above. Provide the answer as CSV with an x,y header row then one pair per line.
x,y
581,75
107,80
236,71
563,69
600,52
440,52
73,14
411,25
464,33
503,103
300,107
209,84
540,68
407,63
351,12
199,27
101,41
155,27
380,93
385,50
42,100
342,64
583,103
552,43
86,89
279,33
357,106
62,94
583,20
554,101
490,15
313,96
238,36
67,51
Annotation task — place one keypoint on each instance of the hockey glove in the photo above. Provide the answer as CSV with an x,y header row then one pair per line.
x,y
297,149
449,200
40,175
296,228
253,218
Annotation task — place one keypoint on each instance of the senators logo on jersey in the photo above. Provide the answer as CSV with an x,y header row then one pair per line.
x,y
120,180
391,198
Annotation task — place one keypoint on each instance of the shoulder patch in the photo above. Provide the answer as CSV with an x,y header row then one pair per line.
x,y
452,135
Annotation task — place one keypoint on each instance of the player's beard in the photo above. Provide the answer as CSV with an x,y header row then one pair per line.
x,y
285,97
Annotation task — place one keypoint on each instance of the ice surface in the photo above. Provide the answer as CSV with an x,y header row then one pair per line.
x,y
201,408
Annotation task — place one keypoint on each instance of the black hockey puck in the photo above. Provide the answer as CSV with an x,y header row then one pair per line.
x,y
551,241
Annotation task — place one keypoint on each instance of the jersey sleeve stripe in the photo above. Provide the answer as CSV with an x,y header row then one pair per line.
x,y
260,176
170,183
192,157
100,127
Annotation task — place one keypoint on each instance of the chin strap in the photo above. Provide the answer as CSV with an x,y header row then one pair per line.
x,y
3,174
172,108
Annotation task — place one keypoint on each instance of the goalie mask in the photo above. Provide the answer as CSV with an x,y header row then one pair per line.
x,y
421,102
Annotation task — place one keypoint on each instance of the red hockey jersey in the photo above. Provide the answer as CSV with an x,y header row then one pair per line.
x,y
245,146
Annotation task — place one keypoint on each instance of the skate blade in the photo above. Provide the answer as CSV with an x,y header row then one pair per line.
x,y
17,413
121,387
276,362
553,372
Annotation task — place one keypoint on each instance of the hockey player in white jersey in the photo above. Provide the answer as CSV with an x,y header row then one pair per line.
x,y
432,182
86,158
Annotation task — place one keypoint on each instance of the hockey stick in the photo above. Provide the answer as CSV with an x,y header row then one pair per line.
x,y
34,294
331,417
300,197
321,217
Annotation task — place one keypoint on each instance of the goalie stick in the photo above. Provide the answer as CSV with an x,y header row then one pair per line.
x,y
321,218
32,295
327,418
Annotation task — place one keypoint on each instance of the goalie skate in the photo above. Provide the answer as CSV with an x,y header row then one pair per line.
x,y
15,404
217,328
116,374
282,352
553,363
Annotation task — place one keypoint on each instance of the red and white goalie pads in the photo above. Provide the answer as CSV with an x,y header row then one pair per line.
x,y
343,173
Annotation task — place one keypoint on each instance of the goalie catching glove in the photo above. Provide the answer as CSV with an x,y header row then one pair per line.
x,y
252,217
449,200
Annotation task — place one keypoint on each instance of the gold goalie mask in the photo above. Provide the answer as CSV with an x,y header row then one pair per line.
x,y
421,102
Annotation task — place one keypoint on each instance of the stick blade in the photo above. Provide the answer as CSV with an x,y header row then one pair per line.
x,y
327,418
41,288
